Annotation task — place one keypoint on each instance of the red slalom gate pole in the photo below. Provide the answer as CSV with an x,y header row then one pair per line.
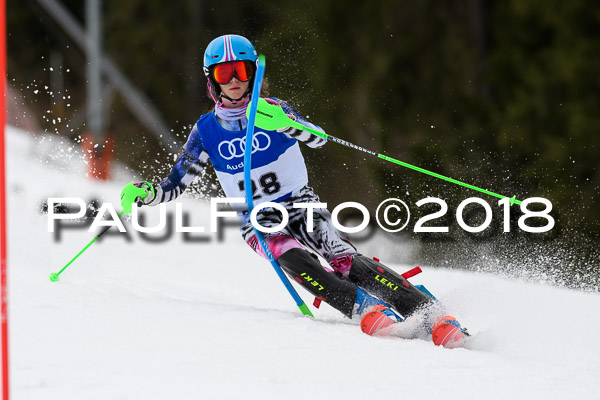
x,y
3,248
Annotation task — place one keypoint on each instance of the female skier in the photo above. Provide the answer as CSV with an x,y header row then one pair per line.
x,y
356,285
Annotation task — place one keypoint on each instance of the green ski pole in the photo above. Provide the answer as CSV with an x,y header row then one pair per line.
x,y
272,117
128,196
54,277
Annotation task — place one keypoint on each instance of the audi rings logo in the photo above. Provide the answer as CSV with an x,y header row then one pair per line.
x,y
235,148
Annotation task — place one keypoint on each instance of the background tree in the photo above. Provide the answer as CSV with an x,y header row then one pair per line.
x,y
501,94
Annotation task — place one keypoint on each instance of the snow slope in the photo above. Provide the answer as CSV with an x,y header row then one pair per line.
x,y
210,320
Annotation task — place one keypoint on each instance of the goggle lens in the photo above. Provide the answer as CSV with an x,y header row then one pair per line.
x,y
223,73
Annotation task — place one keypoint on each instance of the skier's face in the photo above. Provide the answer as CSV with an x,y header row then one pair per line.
x,y
234,89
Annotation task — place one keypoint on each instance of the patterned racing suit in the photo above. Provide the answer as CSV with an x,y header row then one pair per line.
x,y
279,175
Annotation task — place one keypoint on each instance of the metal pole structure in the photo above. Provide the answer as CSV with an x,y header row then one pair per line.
x,y
138,104
93,40
95,146
3,230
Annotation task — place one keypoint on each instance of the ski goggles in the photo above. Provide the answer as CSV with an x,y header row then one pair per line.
x,y
224,73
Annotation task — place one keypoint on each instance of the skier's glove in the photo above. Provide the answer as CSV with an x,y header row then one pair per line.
x,y
291,116
142,193
286,129
150,193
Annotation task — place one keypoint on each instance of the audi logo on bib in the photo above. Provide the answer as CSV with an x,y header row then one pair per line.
x,y
229,149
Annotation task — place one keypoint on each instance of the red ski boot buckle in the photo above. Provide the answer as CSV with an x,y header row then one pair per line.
x,y
415,271
317,302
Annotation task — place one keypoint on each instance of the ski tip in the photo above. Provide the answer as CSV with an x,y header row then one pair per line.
x,y
54,277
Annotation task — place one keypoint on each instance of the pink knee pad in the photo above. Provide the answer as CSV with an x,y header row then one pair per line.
x,y
342,264
277,244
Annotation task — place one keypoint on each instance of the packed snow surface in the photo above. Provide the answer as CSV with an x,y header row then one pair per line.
x,y
210,319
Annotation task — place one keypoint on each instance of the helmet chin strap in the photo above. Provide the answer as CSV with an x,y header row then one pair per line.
x,y
235,100
218,101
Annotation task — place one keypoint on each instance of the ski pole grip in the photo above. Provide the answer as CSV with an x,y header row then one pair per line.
x,y
131,192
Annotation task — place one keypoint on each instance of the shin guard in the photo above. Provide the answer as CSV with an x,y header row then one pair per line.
x,y
388,285
308,271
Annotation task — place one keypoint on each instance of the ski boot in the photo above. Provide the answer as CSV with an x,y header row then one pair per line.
x,y
378,317
448,333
